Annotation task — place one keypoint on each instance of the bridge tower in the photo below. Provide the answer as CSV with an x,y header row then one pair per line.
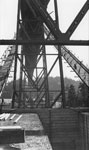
x,y
34,78
35,30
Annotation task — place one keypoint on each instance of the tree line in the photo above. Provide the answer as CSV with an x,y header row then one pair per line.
x,y
76,92
79,97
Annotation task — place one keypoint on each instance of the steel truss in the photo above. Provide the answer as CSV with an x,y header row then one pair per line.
x,y
39,83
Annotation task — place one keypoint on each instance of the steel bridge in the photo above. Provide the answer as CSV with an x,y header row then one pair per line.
x,y
35,30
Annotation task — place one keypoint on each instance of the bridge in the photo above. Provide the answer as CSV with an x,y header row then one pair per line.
x,y
66,128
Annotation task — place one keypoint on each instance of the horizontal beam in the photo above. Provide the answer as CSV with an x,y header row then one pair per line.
x,y
45,42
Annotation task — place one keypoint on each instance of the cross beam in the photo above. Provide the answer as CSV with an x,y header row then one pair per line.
x,y
45,42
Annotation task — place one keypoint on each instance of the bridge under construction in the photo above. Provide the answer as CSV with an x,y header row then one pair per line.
x,y
67,128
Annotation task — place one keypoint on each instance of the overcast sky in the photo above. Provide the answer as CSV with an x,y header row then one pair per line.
x,y
68,9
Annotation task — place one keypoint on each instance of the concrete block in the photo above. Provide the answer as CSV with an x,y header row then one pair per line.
x,y
11,134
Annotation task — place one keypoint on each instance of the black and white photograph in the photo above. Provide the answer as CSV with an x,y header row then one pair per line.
x,y
44,74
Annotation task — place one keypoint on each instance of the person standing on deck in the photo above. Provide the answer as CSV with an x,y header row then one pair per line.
x,y
1,104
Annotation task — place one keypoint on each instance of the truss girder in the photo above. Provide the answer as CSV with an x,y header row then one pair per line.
x,y
77,19
48,20
6,66
41,88
28,75
79,68
56,99
39,98
31,29
54,37
48,73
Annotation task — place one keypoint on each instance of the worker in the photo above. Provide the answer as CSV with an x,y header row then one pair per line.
x,y
1,104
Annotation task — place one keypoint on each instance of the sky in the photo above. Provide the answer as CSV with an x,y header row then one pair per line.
x,y
67,9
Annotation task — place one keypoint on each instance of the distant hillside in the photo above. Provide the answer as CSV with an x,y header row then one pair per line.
x,y
54,84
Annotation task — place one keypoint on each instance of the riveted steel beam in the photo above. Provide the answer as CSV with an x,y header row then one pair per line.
x,y
77,19
45,42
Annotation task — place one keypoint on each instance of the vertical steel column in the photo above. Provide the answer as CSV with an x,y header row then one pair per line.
x,y
16,54
60,59
20,81
46,85
47,102
24,85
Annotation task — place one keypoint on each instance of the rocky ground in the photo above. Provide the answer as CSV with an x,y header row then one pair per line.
x,y
34,143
